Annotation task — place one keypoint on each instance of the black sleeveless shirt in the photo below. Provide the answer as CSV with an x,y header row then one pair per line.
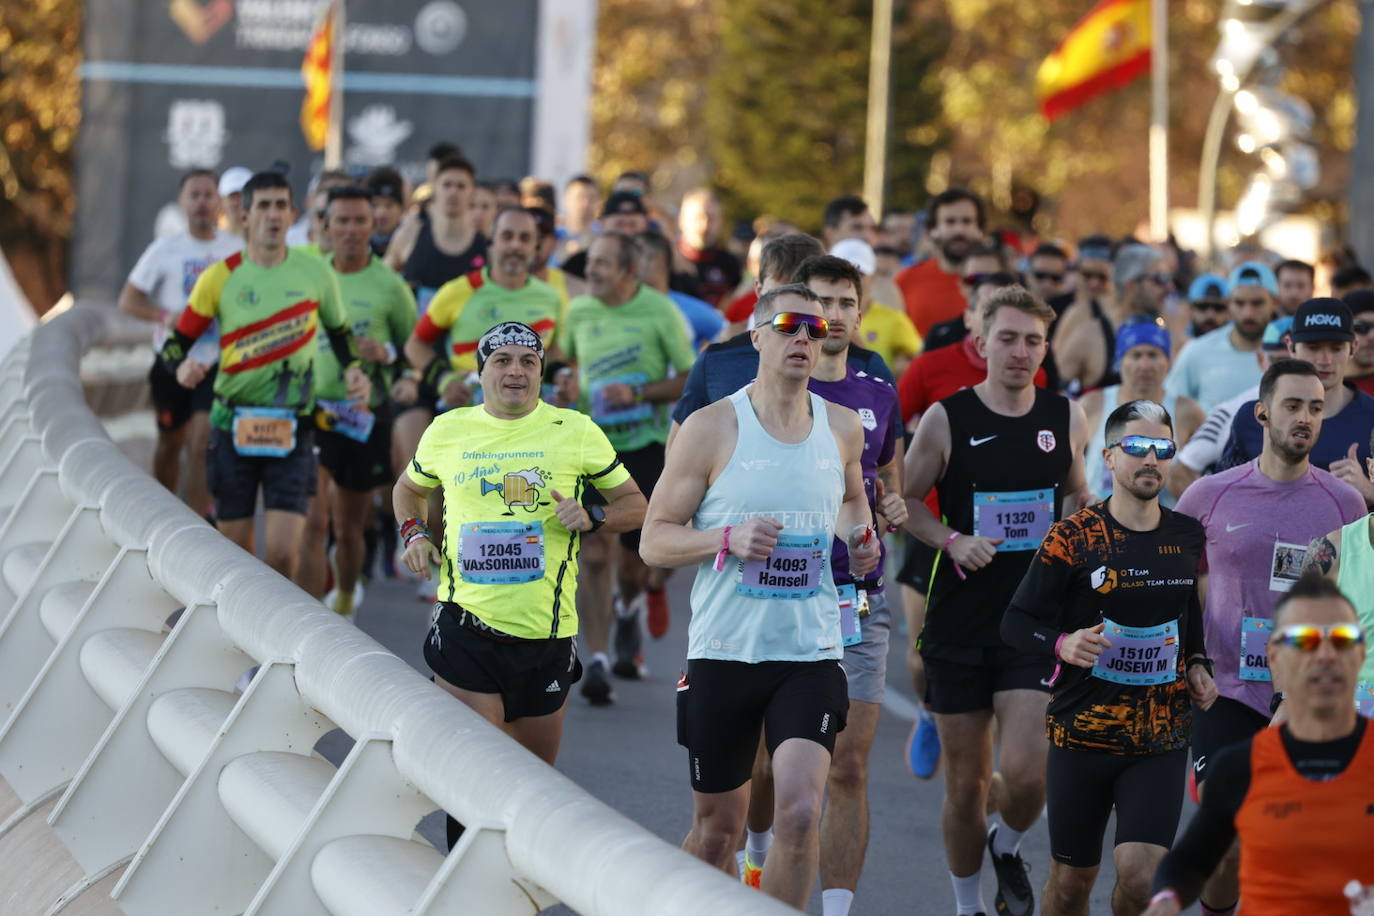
x,y
428,268
1005,478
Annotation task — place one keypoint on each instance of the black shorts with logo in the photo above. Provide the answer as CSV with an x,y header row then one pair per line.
x,y
722,705
533,676
359,466
287,482
1083,788
964,678
174,404
1228,722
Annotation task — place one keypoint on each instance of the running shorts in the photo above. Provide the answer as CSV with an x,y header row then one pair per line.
x,y
287,482
964,678
1083,787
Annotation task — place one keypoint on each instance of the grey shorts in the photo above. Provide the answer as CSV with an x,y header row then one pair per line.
x,y
865,662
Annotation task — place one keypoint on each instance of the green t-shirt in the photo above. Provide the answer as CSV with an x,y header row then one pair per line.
x,y
267,321
378,304
506,556
635,343
471,305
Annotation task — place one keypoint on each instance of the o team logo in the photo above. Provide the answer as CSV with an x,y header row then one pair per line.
x,y
1102,579
1045,440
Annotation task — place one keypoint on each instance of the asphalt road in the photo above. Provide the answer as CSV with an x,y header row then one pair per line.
x,y
627,756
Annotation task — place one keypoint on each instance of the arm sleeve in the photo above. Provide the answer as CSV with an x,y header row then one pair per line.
x,y
1204,448
600,465
694,395
1212,829
1032,623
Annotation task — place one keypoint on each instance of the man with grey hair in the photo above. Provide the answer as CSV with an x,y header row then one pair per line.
x,y
1221,364
1085,350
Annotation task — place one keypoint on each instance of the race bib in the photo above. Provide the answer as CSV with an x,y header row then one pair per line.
x,y
1364,700
1254,643
264,432
347,418
1139,655
604,414
852,602
793,570
501,553
1020,518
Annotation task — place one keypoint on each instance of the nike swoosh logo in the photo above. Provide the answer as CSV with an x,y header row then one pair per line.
x,y
977,442
1230,528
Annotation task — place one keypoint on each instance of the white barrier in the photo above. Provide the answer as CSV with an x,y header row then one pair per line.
x,y
170,792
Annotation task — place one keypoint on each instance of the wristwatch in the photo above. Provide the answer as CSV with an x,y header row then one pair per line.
x,y
1205,662
598,516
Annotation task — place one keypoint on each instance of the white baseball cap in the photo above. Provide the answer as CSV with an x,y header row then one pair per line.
x,y
233,180
857,252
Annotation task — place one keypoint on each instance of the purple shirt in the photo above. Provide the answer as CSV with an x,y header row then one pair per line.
x,y
875,401
1257,535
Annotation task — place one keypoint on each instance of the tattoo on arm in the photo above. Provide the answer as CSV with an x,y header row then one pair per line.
x,y
1321,555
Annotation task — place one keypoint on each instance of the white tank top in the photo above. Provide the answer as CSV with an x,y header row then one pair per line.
x,y
785,608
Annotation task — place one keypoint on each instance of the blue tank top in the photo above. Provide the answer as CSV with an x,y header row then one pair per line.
x,y
785,608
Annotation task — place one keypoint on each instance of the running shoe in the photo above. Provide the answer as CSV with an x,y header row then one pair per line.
x,y
751,875
659,620
596,687
343,603
627,641
1014,895
923,747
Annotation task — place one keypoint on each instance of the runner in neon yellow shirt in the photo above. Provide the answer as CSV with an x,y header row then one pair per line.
x,y
268,301
512,470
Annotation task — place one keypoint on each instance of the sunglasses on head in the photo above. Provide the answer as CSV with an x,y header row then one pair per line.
x,y
789,323
1362,327
1099,276
1306,637
1046,277
1139,446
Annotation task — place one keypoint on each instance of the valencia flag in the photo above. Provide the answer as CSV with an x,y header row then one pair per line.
x,y
1107,49
317,71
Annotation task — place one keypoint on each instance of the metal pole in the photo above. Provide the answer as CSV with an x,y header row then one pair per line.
x,y
1159,120
879,107
333,144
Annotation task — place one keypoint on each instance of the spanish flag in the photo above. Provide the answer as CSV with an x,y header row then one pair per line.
x,y
317,71
1107,49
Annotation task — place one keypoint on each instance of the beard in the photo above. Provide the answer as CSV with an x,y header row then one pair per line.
x,y
1291,452
955,250
832,346
1144,485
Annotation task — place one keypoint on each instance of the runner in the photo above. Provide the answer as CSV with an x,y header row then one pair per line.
x,y
884,330
156,291
1143,347
513,470
1221,363
1296,280
1207,304
1084,350
268,300
1004,457
1322,335
1361,369
354,438
1296,796
865,616
1259,518
931,288
765,639
625,339
1112,597
444,244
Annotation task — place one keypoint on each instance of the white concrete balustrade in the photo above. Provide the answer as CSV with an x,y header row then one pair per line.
x,y
137,776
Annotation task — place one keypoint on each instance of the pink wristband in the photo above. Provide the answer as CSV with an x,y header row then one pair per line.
x,y
1057,643
958,570
1167,894
724,551
1058,662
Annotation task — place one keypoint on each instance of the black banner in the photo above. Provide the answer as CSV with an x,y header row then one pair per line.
x,y
170,85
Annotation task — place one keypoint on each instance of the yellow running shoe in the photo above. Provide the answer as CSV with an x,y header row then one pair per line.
x,y
752,876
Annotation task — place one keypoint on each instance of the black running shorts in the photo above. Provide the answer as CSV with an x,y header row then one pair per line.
x,y
173,404
964,678
722,705
1227,722
359,466
533,676
287,482
1083,787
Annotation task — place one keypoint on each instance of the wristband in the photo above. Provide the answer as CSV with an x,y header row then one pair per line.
x,y
959,570
1057,643
1058,662
390,352
1167,894
416,536
724,551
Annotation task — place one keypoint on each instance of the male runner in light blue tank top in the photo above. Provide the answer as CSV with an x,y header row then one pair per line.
x,y
755,487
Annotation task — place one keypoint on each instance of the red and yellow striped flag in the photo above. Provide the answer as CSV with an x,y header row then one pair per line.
x,y
317,71
1107,49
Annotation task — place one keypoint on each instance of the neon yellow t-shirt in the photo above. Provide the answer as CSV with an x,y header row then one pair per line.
x,y
471,305
506,556
889,333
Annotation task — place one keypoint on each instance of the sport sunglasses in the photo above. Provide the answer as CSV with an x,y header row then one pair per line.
x,y
1363,327
789,323
1139,446
1306,637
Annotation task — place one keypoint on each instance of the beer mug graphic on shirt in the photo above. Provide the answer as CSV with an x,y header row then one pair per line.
x,y
519,488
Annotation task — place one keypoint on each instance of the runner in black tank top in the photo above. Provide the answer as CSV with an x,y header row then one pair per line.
x,y
1007,460
428,268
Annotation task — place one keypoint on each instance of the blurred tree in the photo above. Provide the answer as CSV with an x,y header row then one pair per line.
x,y
40,108
786,104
